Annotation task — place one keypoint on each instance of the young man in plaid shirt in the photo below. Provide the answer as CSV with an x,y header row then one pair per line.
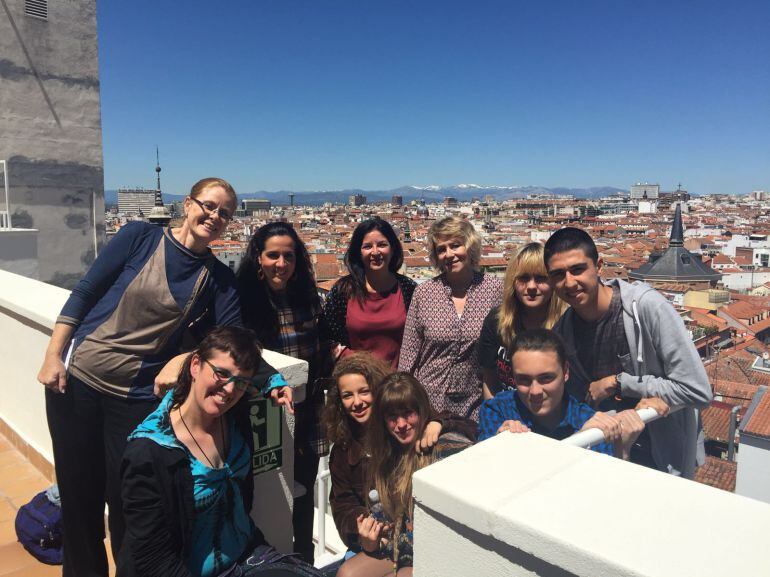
x,y
540,403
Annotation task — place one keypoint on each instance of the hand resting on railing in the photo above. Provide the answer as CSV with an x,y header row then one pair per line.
x,y
620,429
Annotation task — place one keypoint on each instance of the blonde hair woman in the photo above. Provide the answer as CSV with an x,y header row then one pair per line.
x,y
445,318
528,303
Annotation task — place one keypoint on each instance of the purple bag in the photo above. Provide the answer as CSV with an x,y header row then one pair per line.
x,y
38,528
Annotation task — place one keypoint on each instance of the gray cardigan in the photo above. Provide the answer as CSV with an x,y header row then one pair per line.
x,y
663,363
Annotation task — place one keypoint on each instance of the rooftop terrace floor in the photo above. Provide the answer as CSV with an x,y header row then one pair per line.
x,y
19,482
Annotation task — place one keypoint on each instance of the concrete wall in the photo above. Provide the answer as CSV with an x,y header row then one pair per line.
x,y
28,311
744,280
18,251
527,505
753,477
50,132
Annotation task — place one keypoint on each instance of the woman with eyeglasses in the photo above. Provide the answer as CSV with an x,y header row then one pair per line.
x,y
122,323
280,302
528,303
186,473
366,309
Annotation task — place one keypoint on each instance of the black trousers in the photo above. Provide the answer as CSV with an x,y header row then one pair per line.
x,y
305,471
306,446
88,432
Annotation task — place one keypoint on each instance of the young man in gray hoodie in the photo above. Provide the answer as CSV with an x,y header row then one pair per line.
x,y
625,342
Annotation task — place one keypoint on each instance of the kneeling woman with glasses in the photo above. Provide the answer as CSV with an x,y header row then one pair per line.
x,y
187,476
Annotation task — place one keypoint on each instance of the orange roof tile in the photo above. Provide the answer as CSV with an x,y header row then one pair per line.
x,y
717,473
716,421
326,258
758,419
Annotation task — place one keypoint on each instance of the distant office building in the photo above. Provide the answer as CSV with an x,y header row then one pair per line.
x,y
255,205
645,191
132,201
760,195
397,200
648,207
231,258
51,131
357,200
450,201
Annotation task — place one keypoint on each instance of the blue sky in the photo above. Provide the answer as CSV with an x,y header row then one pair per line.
x,y
375,94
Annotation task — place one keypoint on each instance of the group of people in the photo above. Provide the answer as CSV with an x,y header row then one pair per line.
x,y
159,343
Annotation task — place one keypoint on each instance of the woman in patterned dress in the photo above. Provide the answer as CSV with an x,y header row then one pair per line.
x,y
445,319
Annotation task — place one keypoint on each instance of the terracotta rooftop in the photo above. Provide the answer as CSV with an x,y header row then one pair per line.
x,y
325,258
417,261
493,261
705,318
735,365
716,421
722,259
757,421
327,271
717,473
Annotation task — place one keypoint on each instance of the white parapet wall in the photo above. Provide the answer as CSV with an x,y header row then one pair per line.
x,y
524,504
28,311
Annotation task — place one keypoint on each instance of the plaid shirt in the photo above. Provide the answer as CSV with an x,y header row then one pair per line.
x,y
297,329
506,406
299,337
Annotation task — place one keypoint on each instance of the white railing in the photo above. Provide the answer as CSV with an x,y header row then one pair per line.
x,y
590,437
322,500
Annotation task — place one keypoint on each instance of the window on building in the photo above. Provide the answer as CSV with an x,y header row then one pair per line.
x,y
36,8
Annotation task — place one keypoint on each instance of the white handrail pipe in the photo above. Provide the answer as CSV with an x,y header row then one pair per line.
x,y
322,497
590,437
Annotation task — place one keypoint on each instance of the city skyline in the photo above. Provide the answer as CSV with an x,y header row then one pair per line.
x,y
305,96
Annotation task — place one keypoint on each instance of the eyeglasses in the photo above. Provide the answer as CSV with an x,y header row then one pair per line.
x,y
223,376
211,208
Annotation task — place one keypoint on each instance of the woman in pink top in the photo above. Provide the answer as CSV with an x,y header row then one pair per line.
x,y
366,310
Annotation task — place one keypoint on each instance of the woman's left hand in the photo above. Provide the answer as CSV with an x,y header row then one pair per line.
x,y
283,396
429,437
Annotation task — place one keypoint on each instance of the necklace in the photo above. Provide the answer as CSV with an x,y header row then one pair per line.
x,y
221,429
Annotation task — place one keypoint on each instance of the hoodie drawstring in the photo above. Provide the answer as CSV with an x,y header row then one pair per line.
x,y
639,344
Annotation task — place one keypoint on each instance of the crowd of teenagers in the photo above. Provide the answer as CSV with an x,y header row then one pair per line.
x,y
158,348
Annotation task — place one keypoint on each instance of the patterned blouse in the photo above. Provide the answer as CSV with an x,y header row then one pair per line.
x,y
439,347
